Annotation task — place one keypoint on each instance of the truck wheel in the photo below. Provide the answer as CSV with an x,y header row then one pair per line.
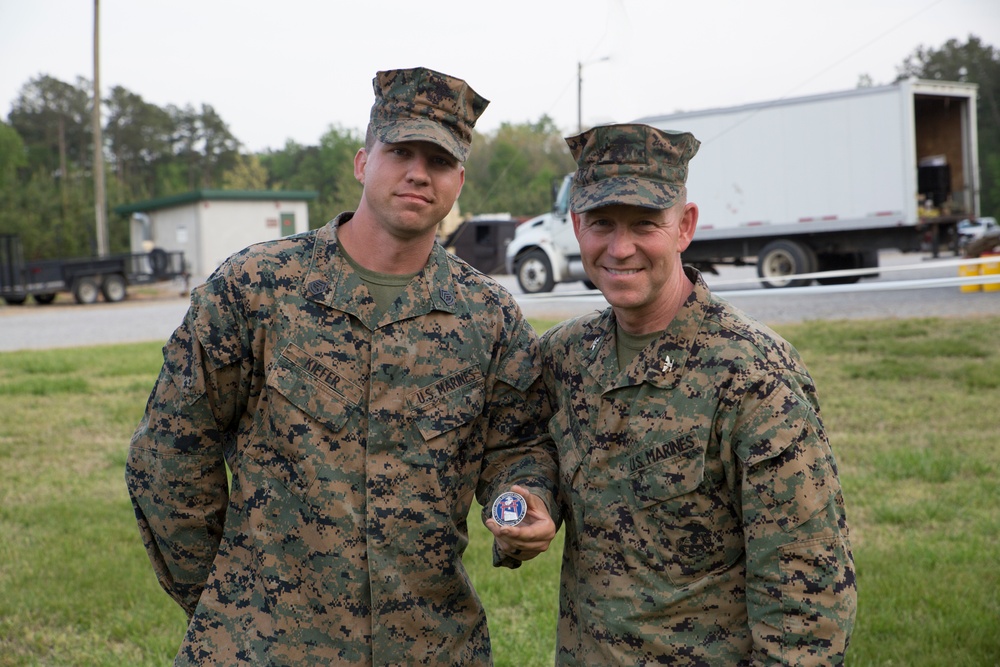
x,y
113,287
44,299
783,258
85,290
15,300
534,273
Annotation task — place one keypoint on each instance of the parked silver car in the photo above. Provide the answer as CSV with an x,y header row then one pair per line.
x,y
976,228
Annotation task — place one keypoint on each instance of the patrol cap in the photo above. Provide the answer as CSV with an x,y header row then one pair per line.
x,y
630,164
420,104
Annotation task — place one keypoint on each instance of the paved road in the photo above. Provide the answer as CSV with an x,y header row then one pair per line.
x,y
66,324
898,292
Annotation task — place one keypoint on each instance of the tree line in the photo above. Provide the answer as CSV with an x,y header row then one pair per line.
x,y
46,160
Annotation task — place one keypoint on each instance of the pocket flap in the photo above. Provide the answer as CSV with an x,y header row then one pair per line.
x,y
313,387
666,471
448,403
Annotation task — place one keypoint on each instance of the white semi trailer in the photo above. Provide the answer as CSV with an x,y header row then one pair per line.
x,y
804,185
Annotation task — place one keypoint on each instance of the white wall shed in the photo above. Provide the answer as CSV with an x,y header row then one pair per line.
x,y
210,225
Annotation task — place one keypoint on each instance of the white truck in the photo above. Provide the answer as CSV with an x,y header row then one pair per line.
x,y
804,185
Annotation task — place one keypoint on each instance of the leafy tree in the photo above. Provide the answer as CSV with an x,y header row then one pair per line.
x,y
46,194
327,168
203,143
12,155
513,169
288,165
341,191
247,174
220,149
53,119
139,138
13,158
49,224
978,63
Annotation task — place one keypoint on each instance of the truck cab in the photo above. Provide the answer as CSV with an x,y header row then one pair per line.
x,y
544,250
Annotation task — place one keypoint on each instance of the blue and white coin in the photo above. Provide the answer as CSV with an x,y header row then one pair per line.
x,y
509,508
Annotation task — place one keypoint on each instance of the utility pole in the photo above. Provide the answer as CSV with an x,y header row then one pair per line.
x,y
100,206
579,89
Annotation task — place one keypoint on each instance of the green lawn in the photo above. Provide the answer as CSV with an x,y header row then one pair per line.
x,y
912,408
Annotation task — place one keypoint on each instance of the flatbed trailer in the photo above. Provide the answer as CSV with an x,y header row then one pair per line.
x,y
86,278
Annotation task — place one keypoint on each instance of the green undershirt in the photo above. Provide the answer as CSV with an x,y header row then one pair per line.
x,y
628,345
385,288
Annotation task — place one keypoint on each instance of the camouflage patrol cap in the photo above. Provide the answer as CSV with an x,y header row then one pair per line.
x,y
420,104
629,164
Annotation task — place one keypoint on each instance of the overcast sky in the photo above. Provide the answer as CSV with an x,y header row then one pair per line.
x,y
289,70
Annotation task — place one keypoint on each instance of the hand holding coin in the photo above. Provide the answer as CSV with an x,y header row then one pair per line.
x,y
521,524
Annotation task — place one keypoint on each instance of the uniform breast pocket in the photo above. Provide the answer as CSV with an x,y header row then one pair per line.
x,y
446,413
682,518
300,432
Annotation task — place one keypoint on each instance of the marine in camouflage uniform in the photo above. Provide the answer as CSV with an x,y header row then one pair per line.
x,y
704,517
357,437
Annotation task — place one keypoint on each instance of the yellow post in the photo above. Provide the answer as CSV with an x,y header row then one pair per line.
x,y
991,268
967,270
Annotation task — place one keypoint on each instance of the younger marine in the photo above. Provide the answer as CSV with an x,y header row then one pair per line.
x,y
363,386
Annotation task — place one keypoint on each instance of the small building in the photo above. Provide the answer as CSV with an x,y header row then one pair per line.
x,y
210,225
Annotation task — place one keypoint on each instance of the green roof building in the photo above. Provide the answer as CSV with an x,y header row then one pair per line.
x,y
210,225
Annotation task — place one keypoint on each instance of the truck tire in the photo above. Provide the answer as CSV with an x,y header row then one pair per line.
x,y
85,290
113,287
44,299
15,300
534,272
782,258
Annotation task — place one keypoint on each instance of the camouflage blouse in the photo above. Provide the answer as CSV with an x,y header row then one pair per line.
x,y
704,517
356,443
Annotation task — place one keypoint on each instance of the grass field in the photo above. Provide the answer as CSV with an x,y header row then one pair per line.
x,y
912,408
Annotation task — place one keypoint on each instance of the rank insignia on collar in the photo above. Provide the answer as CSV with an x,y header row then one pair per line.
x,y
447,297
317,287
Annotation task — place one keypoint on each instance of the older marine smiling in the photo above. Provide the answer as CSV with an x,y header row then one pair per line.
x,y
631,253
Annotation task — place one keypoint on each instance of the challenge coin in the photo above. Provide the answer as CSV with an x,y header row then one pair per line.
x,y
509,508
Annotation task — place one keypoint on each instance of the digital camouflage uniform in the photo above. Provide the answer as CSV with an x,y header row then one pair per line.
x,y
357,442
704,517
705,522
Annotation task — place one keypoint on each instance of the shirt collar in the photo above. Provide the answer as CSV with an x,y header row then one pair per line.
x,y
662,362
332,282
